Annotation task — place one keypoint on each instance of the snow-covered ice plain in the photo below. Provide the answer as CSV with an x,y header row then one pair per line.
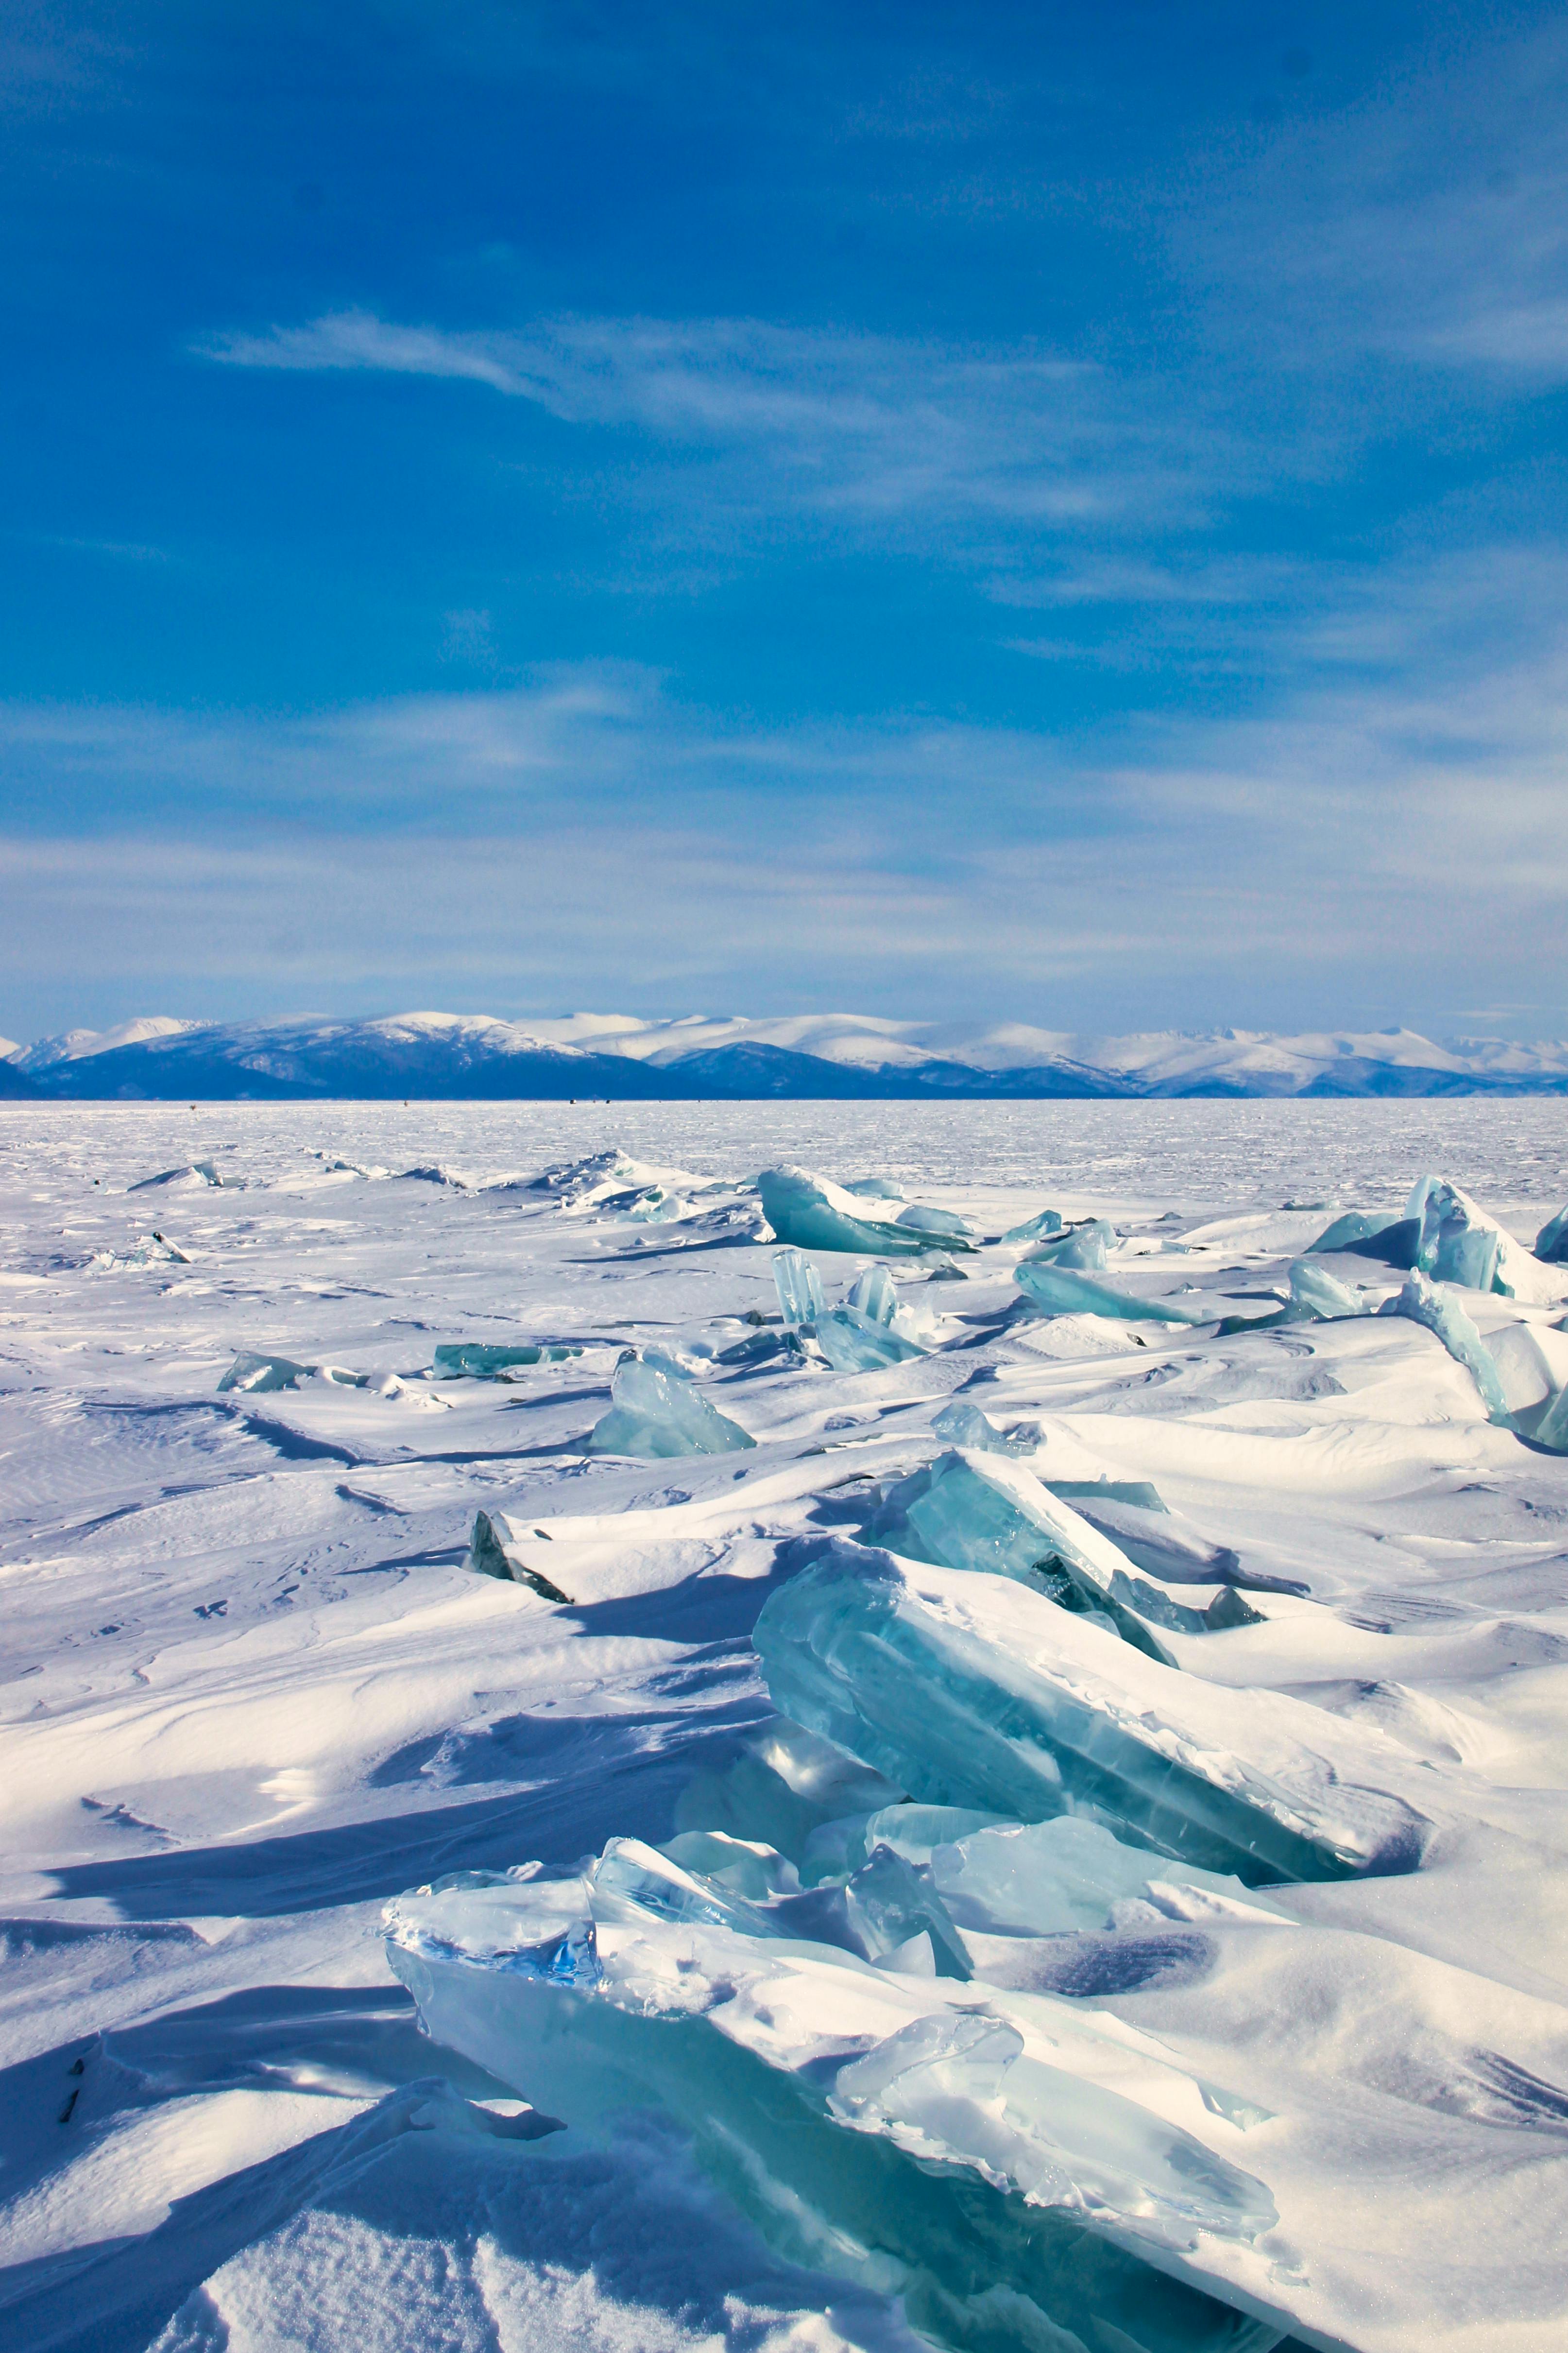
x,y
844,2070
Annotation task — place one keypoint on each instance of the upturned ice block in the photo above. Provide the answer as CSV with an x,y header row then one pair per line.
x,y
1062,1291
974,1691
654,1413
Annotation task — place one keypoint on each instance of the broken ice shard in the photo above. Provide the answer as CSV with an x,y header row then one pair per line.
x,y
1084,1247
873,1295
485,1360
255,1374
1062,1291
815,1215
1314,1292
975,1511
799,1287
880,1909
656,1411
1551,1241
1424,1302
494,1550
876,1188
974,1691
852,1342
963,1424
1045,1221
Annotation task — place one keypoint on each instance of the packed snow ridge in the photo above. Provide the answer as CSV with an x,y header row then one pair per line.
x,y
628,1740
843,1056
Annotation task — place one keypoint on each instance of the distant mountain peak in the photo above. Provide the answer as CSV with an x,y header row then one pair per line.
x,y
840,1055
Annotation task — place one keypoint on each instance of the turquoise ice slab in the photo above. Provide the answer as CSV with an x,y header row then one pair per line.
x,y
976,1510
1314,1291
815,1215
974,1691
1426,1302
1063,1290
818,2156
481,1360
798,1285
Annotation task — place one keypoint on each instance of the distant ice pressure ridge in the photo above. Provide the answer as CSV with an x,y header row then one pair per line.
x,y
847,1056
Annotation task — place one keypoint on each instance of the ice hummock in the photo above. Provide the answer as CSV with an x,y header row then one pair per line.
x,y
1016,2166
656,1411
1459,1243
976,1691
1086,1246
814,1214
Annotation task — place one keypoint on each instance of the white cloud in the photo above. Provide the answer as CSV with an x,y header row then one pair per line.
x,y
1385,843
846,423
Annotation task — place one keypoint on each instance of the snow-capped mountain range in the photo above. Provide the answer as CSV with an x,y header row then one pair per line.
x,y
619,1057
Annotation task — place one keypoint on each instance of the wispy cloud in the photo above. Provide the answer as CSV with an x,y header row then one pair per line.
x,y
851,422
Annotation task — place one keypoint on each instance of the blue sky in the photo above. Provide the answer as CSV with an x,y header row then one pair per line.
x,y
1034,510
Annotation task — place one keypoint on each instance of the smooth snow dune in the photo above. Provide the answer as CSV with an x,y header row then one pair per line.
x,y
254,1688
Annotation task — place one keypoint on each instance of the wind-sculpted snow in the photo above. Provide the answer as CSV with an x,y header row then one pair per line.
x,y
1023,1811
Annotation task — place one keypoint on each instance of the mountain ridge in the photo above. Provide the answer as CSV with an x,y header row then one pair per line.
x,y
850,1056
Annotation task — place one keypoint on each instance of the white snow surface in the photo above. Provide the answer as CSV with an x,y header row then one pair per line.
x,y
251,1690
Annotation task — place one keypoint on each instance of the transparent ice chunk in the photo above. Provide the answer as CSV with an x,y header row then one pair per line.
x,y
876,1188
973,1690
1063,1290
963,1424
975,1511
852,1342
255,1374
784,1786
799,1287
1459,1243
815,1215
656,1411
1084,1247
513,1921
874,1295
1065,1877
1355,1226
1424,1302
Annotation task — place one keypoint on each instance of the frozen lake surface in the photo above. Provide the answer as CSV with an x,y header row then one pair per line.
x,y
254,1691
